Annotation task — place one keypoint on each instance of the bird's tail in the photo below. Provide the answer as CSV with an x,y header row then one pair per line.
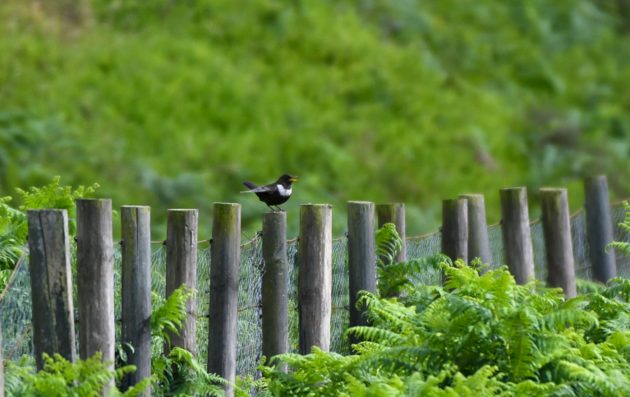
x,y
250,185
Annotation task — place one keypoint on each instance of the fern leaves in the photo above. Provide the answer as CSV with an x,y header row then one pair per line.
x,y
168,318
480,335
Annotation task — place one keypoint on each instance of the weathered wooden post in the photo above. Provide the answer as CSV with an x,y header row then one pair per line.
x,y
224,277
275,294
95,278
455,229
51,284
517,237
394,213
361,256
558,245
136,291
315,276
181,269
599,228
478,241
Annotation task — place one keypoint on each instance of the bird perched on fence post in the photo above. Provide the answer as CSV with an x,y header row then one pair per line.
x,y
273,194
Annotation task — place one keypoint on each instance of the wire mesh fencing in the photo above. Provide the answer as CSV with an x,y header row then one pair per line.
x,y
15,304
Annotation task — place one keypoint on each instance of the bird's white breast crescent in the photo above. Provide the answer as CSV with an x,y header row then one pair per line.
x,y
283,192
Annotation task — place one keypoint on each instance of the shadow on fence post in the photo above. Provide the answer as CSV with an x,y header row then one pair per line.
x,y
51,284
599,228
224,279
455,229
136,291
558,244
361,257
275,294
315,276
181,268
517,238
478,241
394,213
95,278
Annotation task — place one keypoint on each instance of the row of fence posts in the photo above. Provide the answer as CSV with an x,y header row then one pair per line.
x,y
464,236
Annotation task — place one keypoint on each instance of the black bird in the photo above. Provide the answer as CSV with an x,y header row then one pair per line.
x,y
273,194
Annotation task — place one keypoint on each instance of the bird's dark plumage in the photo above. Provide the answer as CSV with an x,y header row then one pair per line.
x,y
275,193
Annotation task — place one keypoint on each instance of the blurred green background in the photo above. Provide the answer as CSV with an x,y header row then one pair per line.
x,y
173,103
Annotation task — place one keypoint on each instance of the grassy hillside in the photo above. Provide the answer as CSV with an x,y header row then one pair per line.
x,y
174,103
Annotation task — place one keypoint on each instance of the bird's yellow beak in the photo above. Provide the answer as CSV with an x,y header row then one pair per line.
x,y
294,179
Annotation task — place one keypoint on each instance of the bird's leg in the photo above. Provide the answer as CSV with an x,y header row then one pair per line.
x,y
279,208
271,208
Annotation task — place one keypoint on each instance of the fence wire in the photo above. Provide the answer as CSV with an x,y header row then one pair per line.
x,y
15,304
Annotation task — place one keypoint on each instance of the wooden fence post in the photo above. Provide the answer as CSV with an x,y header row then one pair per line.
x,y
478,241
394,213
181,268
455,229
599,228
51,284
224,278
275,294
558,245
361,256
136,291
315,276
95,278
517,237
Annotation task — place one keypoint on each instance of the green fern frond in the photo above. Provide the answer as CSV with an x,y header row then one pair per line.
x,y
379,335
623,247
168,318
562,318
388,244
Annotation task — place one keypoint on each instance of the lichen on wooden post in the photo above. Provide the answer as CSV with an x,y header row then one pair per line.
x,y
51,284
224,279
558,245
315,276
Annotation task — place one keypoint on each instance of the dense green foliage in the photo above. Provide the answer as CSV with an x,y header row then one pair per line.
x,y
61,378
478,335
13,222
475,335
174,373
173,103
177,372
